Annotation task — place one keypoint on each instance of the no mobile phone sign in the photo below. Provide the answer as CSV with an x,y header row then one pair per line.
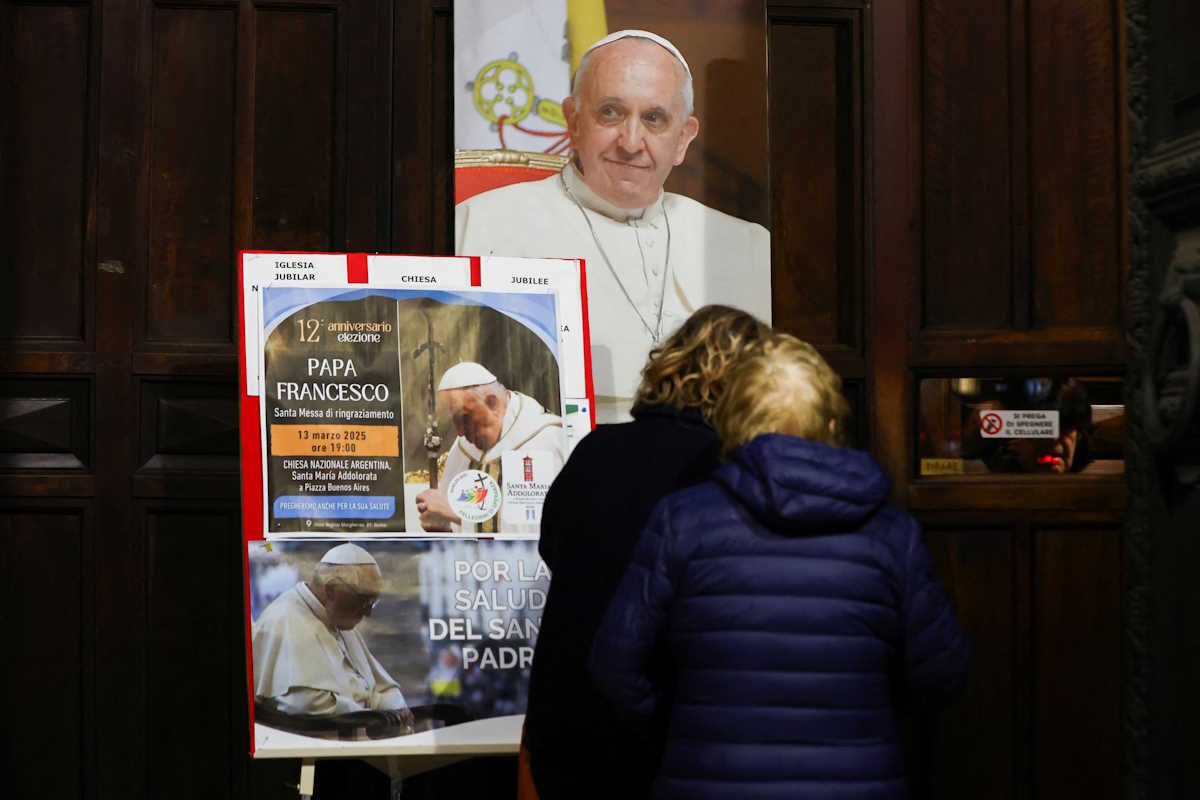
x,y
1018,424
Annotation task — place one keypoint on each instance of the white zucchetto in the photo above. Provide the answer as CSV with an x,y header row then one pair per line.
x,y
465,374
348,554
639,34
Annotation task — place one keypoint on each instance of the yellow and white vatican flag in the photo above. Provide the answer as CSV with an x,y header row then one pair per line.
x,y
512,69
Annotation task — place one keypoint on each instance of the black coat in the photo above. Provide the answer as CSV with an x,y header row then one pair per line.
x,y
592,518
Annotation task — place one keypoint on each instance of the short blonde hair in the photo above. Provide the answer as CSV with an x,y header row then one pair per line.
x,y
783,387
688,369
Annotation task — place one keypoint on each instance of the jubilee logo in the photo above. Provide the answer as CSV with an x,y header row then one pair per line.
x,y
474,496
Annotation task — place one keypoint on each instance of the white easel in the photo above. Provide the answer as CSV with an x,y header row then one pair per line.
x,y
395,767
308,776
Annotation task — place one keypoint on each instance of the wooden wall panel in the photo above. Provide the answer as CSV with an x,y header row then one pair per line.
x,y
422,110
982,733
816,175
368,135
966,149
45,424
295,83
1077,672
1075,163
191,688
189,274
44,193
856,395
188,426
441,126
44,591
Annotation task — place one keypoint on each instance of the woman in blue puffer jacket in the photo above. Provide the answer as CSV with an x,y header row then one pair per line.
x,y
793,607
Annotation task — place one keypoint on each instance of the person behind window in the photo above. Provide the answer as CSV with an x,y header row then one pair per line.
x,y
593,515
1069,452
796,608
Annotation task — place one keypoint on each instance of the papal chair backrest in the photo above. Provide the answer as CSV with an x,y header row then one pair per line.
x,y
477,171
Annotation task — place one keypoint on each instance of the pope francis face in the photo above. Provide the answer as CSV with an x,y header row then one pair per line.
x,y
349,593
628,122
347,606
477,417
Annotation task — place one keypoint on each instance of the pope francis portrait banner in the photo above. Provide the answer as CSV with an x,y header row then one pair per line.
x,y
632,136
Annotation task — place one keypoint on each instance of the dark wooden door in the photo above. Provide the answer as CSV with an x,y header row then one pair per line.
x,y
141,145
957,209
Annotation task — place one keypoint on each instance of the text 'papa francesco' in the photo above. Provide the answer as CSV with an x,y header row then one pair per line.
x,y
332,392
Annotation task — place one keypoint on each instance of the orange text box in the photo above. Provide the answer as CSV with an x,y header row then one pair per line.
x,y
335,440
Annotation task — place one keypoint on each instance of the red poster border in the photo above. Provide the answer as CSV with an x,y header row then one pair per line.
x,y
250,432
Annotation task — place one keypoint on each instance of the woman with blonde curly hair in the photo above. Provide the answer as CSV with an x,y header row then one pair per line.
x,y
592,517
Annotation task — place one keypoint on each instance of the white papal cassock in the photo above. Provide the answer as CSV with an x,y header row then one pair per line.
x,y
307,666
526,426
714,258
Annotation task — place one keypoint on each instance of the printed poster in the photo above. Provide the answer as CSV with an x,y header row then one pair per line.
x,y
395,410
421,646
402,420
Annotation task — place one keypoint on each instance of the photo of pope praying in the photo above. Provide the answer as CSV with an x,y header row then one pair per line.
x,y
308,657
489,420
653,257
352,640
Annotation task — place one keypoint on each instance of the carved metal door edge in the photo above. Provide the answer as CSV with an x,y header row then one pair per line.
x,y
1163,332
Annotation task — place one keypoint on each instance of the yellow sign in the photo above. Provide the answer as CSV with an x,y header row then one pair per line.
x,y
942,466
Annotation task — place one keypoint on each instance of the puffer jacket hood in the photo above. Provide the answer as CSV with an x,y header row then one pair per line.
x,y
794,485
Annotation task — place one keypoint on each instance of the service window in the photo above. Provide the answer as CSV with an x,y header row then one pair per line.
x,y
1058,425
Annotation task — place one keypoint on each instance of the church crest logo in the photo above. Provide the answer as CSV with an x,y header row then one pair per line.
x,y
474,496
